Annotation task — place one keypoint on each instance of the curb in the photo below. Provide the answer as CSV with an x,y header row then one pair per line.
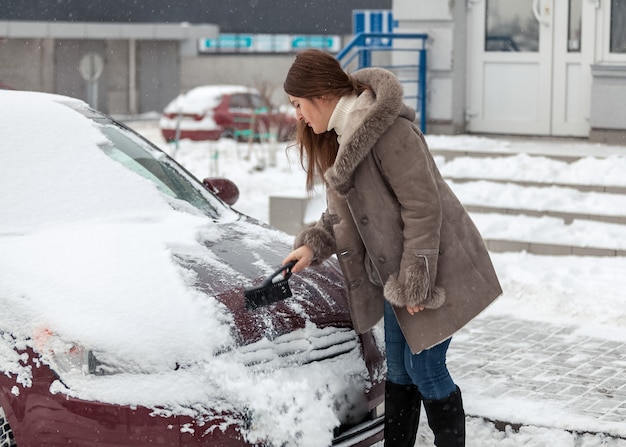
x,y
504,426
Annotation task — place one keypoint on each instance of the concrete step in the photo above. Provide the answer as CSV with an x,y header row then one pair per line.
x,y
537,248
288,213
583,188
449,154
554,237
567,217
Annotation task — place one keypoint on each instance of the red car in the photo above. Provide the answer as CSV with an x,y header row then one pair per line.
x,y
123,317
214,111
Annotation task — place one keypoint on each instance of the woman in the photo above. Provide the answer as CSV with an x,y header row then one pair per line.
x,y
407,248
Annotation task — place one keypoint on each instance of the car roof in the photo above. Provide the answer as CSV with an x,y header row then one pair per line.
x,y
38,97
224,89
204,97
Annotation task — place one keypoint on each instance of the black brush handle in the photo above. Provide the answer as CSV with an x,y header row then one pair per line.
x,y
268,281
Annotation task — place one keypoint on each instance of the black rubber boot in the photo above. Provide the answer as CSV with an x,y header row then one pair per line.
x,y
446,419
402,414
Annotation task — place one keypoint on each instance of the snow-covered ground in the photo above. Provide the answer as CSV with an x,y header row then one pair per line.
x,y
539,288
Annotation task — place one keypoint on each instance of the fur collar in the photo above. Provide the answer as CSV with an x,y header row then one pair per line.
x,y
371,116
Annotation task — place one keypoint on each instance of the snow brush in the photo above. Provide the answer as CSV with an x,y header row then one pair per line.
x,y
270,291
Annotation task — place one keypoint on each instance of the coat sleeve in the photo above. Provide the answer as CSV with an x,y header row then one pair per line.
x,y
410,172
318,237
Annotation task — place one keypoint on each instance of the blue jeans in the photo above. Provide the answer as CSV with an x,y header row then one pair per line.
x,y
427,369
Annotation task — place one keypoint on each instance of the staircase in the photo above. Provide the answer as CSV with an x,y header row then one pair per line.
x,y
595,203
503,199
401,53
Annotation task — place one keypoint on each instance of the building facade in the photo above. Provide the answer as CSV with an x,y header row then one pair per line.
x,y
129,57
118,68
527,67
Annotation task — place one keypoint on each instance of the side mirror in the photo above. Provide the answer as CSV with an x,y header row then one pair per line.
x,y
223,188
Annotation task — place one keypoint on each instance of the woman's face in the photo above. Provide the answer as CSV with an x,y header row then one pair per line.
x,y
315,112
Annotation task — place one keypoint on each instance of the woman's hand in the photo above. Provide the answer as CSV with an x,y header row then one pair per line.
x,y
304,256
414,309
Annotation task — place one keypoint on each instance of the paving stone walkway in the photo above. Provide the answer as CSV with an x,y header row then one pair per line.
x,y
569,381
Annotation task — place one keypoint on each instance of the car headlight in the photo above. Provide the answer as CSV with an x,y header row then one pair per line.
x,y
74,358
379,411
66,358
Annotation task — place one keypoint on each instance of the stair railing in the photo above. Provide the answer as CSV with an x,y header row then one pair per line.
x,y
361,52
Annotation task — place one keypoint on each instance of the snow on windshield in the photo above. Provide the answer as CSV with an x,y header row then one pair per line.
x,y
76,226
56,173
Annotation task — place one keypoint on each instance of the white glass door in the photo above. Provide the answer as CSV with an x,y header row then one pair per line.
x,y
527,67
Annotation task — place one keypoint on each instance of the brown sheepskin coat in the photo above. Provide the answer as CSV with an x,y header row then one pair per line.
x,y
397,228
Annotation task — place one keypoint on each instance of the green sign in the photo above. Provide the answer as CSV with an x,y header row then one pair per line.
x,y
320,42
268,43
229,41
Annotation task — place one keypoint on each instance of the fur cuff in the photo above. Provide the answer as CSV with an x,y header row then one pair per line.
x,y
415,290
318,240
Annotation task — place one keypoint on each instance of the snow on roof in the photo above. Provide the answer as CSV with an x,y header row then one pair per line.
x,y
205,97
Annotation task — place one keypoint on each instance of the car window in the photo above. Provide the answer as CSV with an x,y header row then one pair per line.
x,y
154,165
138,166
258,104
239,101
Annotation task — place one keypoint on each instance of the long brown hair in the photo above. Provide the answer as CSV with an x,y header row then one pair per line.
x,y
316,74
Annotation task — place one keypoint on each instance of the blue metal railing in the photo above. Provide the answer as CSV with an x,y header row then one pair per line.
x,y
359,51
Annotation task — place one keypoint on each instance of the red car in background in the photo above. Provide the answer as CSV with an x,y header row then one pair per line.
x,y
211,112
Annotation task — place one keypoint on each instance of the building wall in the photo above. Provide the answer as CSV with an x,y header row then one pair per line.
x,y
27,64
118,76
443,21
446,24
147,60
68,81
161,71
141,62
266,72
608,96
158,74
51,65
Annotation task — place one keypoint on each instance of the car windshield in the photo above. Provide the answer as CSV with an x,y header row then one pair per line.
x,y
137,155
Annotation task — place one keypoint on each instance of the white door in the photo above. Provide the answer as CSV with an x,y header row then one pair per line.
x,y
529,66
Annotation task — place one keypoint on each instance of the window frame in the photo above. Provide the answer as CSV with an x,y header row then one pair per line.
x,y
606,54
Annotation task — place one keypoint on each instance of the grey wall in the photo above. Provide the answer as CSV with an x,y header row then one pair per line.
x,y
158,82
266,72
162,71
68,80
608,96
148,58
